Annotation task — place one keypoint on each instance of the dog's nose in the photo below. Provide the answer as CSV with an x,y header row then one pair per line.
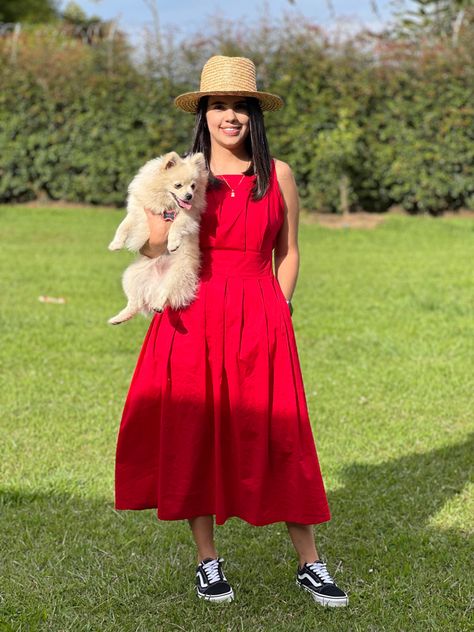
x,y
189,196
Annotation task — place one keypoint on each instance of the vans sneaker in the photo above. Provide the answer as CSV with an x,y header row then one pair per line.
x,y
211,583
315,578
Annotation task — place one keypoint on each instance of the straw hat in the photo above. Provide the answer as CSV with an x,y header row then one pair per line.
x,y
228,75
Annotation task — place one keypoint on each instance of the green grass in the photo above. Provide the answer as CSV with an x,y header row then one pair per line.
x,y
385,331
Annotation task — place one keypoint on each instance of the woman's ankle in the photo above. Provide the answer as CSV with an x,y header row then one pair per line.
x,y
202,555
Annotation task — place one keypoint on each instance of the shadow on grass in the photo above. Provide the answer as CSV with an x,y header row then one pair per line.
x,y
74,560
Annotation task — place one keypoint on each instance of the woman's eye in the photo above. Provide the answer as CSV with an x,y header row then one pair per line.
x,y
178,186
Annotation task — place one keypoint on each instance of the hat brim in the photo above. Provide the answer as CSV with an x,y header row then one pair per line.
x,y
189,100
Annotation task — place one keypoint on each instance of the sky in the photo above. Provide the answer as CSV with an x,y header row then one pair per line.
x,y
183,17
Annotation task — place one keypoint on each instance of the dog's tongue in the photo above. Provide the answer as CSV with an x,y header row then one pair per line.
x,y
184,204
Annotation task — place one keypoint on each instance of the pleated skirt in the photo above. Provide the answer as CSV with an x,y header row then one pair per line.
x,y
216,419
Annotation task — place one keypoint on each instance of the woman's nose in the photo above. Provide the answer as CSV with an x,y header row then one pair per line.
x,y
230,114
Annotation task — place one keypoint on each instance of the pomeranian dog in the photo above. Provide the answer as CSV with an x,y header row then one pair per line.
x,y
176,188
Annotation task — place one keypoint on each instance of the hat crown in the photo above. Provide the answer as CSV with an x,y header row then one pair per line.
x,y
228,75
225,74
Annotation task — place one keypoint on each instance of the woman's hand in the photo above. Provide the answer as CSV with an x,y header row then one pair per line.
x,y
158,240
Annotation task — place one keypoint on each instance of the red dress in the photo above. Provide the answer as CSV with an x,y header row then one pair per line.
x,y
216,420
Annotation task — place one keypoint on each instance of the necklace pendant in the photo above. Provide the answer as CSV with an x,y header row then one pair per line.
x,y
232,193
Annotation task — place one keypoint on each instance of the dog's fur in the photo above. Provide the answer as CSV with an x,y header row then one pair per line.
x,y
165,184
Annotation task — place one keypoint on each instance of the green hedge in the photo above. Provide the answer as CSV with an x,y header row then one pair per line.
x,y
78,134
363,127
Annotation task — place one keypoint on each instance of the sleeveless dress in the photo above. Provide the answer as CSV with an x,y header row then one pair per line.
x,y
216,419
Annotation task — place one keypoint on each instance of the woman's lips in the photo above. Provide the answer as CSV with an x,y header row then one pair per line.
x,y
230,131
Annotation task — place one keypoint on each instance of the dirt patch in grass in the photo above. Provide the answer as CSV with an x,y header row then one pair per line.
x,y
368,221
360,220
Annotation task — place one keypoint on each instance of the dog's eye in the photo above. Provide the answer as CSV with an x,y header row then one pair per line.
x,y
178,186
193,186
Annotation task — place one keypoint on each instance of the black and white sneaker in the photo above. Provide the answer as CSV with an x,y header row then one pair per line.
x,y
211,583
315,578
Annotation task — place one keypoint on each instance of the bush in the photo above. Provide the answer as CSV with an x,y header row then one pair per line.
x,y
366,124
71,129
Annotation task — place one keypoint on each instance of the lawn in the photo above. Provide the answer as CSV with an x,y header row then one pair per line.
x,y
385,331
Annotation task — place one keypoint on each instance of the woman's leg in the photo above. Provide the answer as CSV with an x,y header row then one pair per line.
x,y
203,534
315,579
302,536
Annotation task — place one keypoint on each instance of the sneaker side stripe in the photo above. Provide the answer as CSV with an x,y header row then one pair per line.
x,y
311,579
202,581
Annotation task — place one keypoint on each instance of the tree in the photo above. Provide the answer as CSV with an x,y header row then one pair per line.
x,y
90,29
442,18
33,11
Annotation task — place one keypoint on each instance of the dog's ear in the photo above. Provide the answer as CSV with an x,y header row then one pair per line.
x,y
199,160
170,160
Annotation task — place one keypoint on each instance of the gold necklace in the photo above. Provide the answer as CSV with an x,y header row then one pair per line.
x,y
232,190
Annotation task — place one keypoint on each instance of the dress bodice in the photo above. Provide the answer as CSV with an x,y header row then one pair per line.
x,y
240,223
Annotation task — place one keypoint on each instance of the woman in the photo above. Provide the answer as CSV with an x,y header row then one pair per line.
x,y
216,421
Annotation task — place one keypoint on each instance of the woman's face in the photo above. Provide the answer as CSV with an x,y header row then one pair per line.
x,y
228,120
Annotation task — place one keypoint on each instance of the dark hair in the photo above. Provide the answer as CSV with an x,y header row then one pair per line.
x,y
256,145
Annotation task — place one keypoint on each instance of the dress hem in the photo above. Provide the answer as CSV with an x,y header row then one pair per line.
x,y
260,523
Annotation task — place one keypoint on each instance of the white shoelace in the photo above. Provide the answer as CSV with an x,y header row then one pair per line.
x,y
320,569
212,570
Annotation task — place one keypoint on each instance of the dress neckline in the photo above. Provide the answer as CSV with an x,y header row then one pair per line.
x,y
235,175
227,175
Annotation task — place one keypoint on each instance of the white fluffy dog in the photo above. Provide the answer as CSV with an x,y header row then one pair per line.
x,y
176,188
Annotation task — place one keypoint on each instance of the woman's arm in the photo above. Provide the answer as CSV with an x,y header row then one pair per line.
x,y
153,251
287,257
158,241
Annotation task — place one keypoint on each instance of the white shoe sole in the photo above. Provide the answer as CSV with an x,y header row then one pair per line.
x,y
331,602
217,598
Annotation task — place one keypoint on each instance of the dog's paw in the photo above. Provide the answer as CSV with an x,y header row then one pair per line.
x,y
121,317
173,244
159,308
160,305
115,245
114,321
